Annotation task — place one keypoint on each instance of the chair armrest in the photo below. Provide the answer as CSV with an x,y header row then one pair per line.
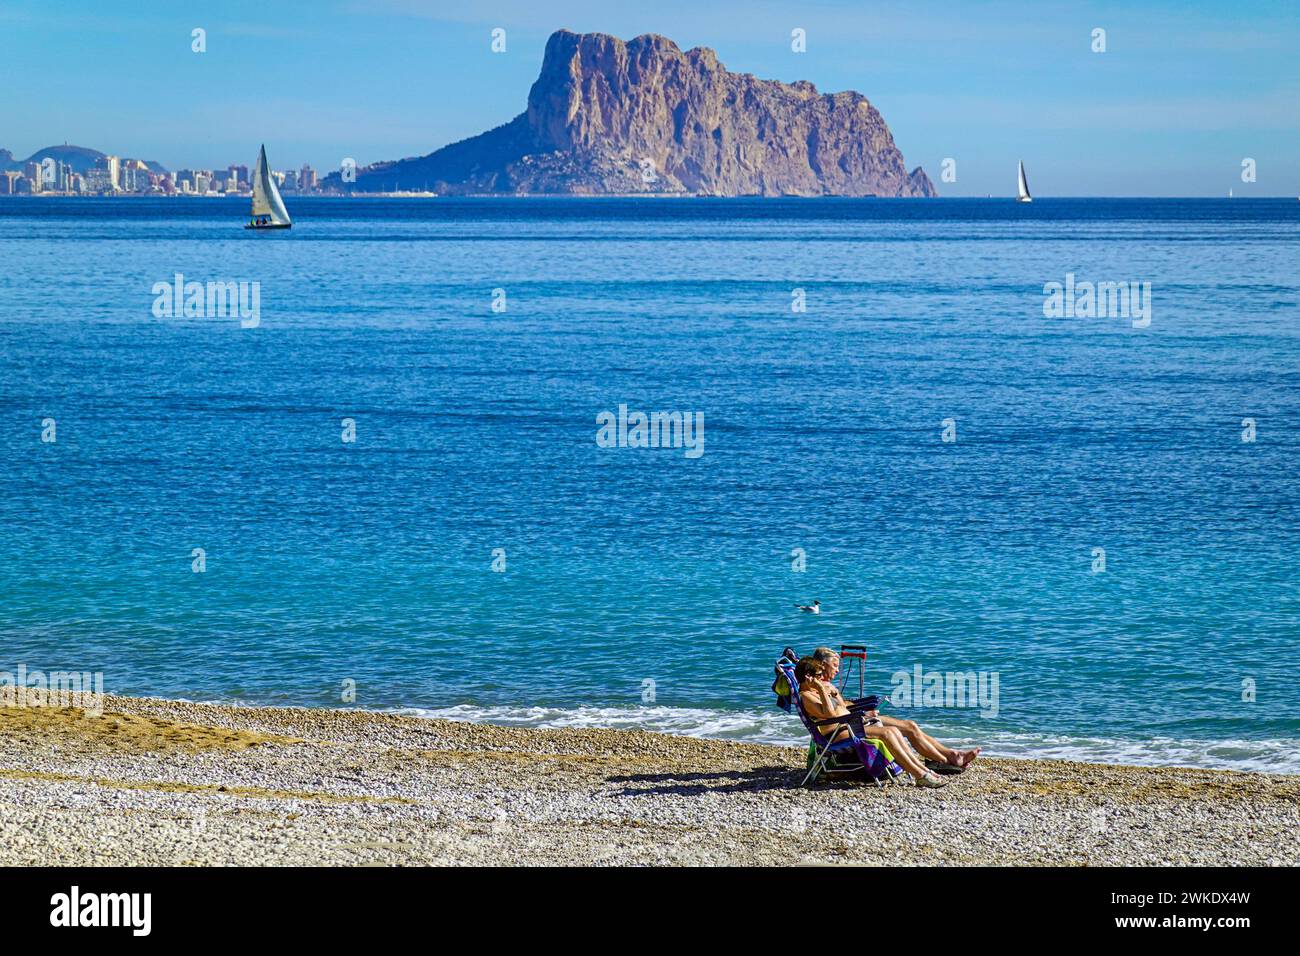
x,y
836,721
872,702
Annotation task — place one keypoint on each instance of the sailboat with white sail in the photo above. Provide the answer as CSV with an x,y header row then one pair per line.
x,y
268,207
1023,186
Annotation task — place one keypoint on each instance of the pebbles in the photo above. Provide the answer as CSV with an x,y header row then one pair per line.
x,y
174,783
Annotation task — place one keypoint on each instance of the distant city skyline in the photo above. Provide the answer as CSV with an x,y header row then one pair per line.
x,y
1177,102
48,172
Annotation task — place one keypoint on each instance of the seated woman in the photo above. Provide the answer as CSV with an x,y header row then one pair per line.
x,y
926,745
822,700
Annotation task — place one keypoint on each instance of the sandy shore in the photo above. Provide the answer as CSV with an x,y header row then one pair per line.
x,y
162,782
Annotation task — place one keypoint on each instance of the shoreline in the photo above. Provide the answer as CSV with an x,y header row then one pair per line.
x,y
161,782
1054,747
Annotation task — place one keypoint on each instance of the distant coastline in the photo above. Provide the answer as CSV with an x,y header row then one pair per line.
x,y
244,197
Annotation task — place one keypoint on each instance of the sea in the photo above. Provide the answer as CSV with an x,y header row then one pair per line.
x,y
410,475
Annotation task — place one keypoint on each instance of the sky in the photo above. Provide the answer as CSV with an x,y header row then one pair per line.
x,y
1184,92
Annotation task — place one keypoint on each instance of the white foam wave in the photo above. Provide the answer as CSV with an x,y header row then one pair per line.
x,y
1268,756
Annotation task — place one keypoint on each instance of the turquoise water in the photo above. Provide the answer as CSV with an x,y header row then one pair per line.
x,y
372,561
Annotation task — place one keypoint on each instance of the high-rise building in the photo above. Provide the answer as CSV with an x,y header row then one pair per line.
x,y
97,181
306,178
112,169
133,176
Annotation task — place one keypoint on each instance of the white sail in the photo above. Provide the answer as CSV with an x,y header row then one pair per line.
x,y
1023,186
266,198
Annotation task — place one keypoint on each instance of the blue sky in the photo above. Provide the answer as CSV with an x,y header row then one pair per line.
x,y
1183,93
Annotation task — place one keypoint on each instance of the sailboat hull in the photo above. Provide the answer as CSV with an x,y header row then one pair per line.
x,y
273,225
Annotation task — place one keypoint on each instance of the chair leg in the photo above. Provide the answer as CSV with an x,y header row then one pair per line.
x,y
811,776
817,766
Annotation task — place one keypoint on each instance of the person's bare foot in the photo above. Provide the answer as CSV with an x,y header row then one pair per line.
x,y
968,757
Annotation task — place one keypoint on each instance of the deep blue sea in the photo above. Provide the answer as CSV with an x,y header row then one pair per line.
x,y
643,587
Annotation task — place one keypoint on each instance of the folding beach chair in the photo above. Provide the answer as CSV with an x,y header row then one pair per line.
x,y
853,755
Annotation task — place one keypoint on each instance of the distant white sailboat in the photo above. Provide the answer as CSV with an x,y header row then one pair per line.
x,y
1023,186
268,207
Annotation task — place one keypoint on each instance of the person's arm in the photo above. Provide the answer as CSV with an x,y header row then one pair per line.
x,y
817,705
831,704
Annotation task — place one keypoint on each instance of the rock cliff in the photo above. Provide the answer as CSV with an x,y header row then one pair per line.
x,y
612,117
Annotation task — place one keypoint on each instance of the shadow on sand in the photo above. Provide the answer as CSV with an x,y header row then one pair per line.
x,y
756,780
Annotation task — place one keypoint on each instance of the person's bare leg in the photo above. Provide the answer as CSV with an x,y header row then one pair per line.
x,y
928,746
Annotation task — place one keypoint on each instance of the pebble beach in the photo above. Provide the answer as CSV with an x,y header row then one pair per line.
x,y
154,782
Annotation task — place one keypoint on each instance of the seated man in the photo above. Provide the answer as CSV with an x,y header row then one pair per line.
x,y
821,700
925,745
